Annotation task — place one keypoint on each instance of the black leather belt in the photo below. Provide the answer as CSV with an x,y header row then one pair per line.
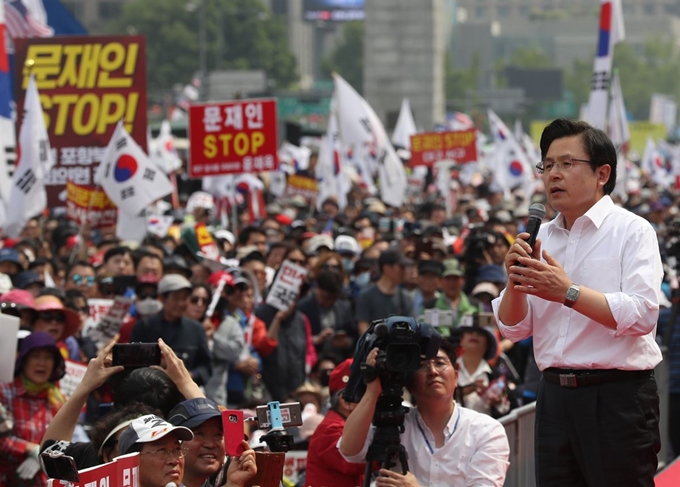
x,y
581,378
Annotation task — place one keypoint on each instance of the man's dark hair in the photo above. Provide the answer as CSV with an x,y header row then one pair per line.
x,y
118,415
53,291
596,143
140,254
245,234
329,281
149,386
120,250
109,241
72,295
253,256
80,263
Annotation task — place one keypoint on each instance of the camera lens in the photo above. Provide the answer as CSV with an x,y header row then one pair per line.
x,y
233,418
403,357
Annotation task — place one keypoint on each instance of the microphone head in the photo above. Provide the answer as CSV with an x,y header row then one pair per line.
x,y
537,210
171,484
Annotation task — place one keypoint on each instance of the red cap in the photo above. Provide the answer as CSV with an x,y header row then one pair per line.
x,y
283,219
148,279
216,276
339,377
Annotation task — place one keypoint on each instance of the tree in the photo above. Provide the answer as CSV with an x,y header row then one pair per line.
x,y
348,58
240,34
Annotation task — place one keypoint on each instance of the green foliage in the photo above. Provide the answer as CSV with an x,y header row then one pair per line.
x,y
348,58
240,34
459,81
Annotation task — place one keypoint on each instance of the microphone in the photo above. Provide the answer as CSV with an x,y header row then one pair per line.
x,y
171,484
536,215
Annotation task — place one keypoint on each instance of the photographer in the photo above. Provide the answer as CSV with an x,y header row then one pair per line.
x,y
446,444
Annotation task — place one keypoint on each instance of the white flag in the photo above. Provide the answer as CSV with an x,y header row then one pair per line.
x,y
611,31
27,192
293,158
512,167
329,167
654,165
132,228
165,154
128,177
406,126
361,129
619,133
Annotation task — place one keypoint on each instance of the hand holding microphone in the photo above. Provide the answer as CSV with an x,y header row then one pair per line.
x,y
536,214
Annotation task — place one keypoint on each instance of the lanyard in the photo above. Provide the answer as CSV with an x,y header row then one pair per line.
x,y
427,442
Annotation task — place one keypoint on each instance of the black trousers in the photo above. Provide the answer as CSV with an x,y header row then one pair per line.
x,y
602,435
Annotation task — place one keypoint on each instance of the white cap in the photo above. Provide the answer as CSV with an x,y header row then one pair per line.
x,y
318,241
347,244
150,428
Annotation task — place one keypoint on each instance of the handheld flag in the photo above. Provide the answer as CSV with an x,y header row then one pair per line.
x,y
405,127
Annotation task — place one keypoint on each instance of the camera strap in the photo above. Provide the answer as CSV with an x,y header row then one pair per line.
x,y
427,442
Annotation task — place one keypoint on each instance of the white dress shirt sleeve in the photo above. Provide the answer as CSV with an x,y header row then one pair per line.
x,y
489,463
361,456
636,308
523,329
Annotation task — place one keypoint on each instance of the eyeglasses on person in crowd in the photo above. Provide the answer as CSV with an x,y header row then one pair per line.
x,y
52,316
148,295
299,262
198,299
167,453
544,167
330,267
78,280
440,363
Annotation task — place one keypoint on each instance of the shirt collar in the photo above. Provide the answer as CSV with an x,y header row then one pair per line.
x,y
596,214
450,426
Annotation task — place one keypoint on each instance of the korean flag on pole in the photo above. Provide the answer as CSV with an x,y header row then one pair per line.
x,y
27,194
127,175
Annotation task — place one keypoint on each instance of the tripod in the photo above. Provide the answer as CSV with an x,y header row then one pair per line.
x,y
386,447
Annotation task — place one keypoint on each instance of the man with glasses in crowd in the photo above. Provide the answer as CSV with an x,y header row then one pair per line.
x,y
588,292
447,445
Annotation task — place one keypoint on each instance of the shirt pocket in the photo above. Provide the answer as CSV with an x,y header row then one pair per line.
x,y
602,275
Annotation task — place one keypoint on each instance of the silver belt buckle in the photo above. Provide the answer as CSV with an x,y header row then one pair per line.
x,y
568,380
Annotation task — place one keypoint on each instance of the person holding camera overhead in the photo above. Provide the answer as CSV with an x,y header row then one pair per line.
x,y
447,445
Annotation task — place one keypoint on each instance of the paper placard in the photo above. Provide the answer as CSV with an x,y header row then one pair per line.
x,y
286,286
75,371
9,326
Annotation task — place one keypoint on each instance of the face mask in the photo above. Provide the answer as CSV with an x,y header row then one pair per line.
x,y
149,306
348,265
363,279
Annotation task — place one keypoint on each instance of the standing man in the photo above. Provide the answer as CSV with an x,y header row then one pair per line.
x,y
385,298
589,294
325,465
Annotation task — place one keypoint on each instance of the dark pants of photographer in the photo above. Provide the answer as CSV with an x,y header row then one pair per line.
x,y
601,435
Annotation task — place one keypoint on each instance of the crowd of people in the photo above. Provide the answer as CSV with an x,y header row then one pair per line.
x,y
224,345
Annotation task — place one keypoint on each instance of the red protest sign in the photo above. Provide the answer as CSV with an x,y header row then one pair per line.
x,y
232,137
431,147
85,204
87,84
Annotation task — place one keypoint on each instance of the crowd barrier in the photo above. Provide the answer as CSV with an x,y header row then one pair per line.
x,y
519,426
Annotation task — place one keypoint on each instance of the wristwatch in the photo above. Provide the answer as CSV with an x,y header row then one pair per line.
x,y
572,295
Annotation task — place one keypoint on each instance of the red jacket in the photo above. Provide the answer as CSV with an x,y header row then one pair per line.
x,y
325,465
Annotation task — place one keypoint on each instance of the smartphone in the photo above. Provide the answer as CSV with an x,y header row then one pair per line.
x,y
122,283
136,354
291,415
59,466
234,431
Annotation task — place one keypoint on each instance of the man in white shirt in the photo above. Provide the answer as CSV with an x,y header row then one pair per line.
x,y
447,445
588,293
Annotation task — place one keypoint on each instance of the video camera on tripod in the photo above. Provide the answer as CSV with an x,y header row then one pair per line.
x,y
402,344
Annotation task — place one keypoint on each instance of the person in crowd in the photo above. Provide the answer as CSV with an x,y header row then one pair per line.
x,y
148,263
429,282
284,368
29,281
348,249
199,299
162,449
21,304
385,297
32,400
186,337
588,292
325,466
446,444
77,301
330,317
55,319
253,235
10,263
118,262
275,255
205,453
452,296
253,263
81,276
481,386
176,264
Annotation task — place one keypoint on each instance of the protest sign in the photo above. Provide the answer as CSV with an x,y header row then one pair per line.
x,y
286,286
9,326
86,84
206,244
75,371
232,137
302,185
431,147
110,323
121,472
85,204
295,463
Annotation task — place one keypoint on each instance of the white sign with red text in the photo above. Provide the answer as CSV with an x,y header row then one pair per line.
x,y
286,286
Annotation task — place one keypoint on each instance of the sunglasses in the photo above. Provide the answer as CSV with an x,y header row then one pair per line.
x,y
84,309
331,267
52,316
78,280
143,296
299,262
198,299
